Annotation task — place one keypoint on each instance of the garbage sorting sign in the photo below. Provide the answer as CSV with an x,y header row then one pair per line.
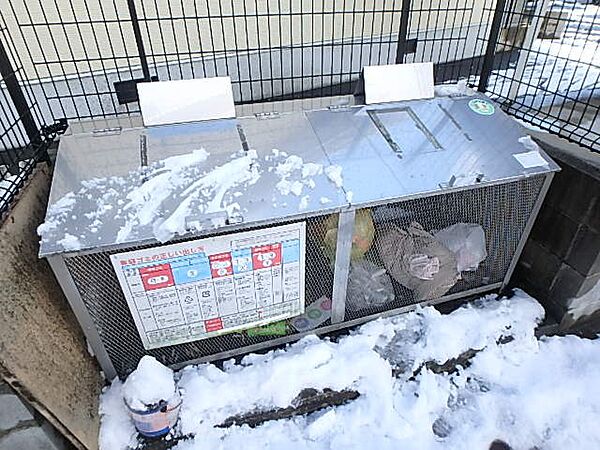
x,y
197,289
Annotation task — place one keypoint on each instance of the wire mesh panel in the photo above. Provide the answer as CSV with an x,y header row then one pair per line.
x,y
546,70
416,250
399,257
103,297
74,51
83,58
270,49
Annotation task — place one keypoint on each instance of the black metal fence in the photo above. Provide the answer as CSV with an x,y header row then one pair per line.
x,y
87,55
546,66
79,59
20,121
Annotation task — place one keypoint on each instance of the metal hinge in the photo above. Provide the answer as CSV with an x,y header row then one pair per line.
x,y
335,108
50,132
107,131
267,115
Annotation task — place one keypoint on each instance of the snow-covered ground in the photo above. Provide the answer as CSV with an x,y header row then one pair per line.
x,y
561,74
528,392
10,184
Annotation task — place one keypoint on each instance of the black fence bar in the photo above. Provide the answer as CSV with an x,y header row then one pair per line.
x,y
490,52
15,92
138,39
403,33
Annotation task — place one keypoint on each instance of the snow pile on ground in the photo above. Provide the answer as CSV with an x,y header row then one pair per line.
x,y
9,183
529,393
458,89
150,383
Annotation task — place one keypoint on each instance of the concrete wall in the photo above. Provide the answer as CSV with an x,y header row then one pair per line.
x,y
561,260
43,354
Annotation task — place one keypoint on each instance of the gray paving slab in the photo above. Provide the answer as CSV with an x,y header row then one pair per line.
x,y
32,438
12,412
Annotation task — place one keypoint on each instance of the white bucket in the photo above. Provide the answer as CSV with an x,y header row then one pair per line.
x,y
157,420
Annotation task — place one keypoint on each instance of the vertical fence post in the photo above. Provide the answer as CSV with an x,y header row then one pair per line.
x,y
138,39
490,52
9,76
403,33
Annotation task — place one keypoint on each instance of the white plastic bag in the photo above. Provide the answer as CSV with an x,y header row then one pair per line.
x,y
368,286
467,242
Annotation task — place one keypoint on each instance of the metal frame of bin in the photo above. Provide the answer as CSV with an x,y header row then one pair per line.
x,y
58,259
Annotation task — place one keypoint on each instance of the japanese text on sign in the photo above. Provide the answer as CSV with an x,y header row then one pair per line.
x,y
198,289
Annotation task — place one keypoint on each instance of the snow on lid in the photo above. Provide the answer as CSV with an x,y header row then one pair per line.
x,y
149,384
334,173
295,175
174,196
70,242
216,183
529,143
57,212
303,203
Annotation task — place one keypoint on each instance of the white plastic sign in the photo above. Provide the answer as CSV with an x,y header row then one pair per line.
x,y
398,82
531,159
202,288
179,101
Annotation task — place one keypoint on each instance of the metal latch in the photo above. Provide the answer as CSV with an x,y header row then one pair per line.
x,y
212,220
463,180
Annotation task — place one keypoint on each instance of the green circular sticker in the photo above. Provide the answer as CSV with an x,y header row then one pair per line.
x,y
482,107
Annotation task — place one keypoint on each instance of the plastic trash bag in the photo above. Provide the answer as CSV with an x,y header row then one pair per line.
x,y
368,286
467,242
416,260
362,237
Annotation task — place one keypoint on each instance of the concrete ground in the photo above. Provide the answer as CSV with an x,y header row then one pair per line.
x,y
22,429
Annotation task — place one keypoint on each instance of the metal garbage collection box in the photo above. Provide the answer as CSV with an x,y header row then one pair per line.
x,y
199,241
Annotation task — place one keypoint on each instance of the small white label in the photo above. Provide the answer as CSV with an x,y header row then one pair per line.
x,y
531,159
